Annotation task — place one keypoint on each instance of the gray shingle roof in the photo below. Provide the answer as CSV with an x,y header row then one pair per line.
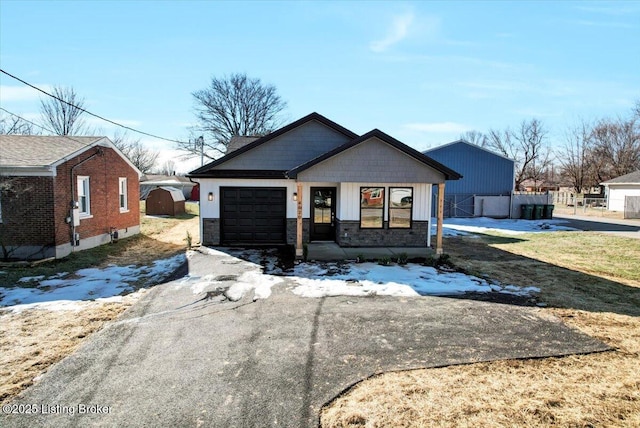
x,y
37,150
633,177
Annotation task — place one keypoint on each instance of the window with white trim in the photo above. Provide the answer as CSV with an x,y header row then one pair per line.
x,y
122,181
84,196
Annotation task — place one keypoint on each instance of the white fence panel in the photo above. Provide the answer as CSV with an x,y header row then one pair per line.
x,y
632,207
491,206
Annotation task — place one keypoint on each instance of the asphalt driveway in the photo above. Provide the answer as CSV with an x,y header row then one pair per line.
x,y
182,359
624,228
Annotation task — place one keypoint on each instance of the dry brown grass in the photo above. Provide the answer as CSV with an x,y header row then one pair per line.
x,y
32,340
579,391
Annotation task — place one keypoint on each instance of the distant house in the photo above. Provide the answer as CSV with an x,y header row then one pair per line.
x,y
165,201
64,194
149,182
623,194
314,180
486,184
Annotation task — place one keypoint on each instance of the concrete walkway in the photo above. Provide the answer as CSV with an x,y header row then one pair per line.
x,y
330,251
185,357
618,227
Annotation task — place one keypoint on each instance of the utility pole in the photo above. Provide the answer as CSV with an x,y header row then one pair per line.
x,y
200,141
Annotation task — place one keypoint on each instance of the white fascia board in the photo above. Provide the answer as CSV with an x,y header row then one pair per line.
x,y
28,171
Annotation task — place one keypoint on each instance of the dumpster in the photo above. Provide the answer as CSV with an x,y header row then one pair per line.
x,y
527,211
538,212
548,212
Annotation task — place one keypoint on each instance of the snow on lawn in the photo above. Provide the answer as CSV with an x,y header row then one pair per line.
x,y
462,226
366,279
55,292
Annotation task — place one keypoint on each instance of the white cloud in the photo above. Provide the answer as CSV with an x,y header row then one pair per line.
x,y
438,127
398,31
21,93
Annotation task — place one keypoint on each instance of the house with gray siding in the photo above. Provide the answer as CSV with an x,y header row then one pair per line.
x,y
314,180
487,183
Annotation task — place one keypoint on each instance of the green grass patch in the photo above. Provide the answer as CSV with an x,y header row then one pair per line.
x,y
589,252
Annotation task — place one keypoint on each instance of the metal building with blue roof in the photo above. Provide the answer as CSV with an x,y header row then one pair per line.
x,y
484,173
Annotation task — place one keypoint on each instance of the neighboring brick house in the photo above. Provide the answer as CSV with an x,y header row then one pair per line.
x,y
314,180
64,194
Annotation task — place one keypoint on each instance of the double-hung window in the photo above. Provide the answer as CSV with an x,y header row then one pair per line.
x,y
84,196
122,184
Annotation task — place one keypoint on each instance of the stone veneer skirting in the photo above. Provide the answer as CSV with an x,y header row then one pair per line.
x,y
355,236
351,235
210,231
292,230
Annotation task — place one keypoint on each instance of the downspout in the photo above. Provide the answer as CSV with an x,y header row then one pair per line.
x,y
98,152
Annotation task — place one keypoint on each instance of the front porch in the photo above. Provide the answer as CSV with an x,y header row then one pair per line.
x,y
331,251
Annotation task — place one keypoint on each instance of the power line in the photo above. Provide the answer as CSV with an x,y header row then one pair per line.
x,y
88,112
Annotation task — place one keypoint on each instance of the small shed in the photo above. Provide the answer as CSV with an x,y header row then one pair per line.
x,y
165,201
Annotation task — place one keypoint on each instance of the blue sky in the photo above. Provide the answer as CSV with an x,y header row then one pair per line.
x,y
423,72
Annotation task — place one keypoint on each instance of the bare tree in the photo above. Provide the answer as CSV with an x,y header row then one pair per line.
x,y
168,168
142,157
527,146
233,105
575,157
475,137
63,112
617,144
14,125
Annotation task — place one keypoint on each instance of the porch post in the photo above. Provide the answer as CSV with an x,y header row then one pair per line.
x,y
299,252
440,218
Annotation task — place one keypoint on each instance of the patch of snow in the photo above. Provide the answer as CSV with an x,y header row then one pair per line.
x,y
88,284
73,305
255,280
461,226
368,279
31,278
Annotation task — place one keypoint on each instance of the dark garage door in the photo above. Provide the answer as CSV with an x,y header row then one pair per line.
x,y
253,215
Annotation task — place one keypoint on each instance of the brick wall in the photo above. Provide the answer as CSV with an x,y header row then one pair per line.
x,y
27,211
104,171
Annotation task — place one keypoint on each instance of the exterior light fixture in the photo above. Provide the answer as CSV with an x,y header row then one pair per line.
x,y
295,196
210,196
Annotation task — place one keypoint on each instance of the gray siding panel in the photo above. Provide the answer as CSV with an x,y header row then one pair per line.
x,y
483,173
372,161
289,150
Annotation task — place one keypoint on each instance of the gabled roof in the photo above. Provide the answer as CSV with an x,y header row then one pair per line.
x,y
376,133
475,146
631,178
176,194
207,169
35,150
41,154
